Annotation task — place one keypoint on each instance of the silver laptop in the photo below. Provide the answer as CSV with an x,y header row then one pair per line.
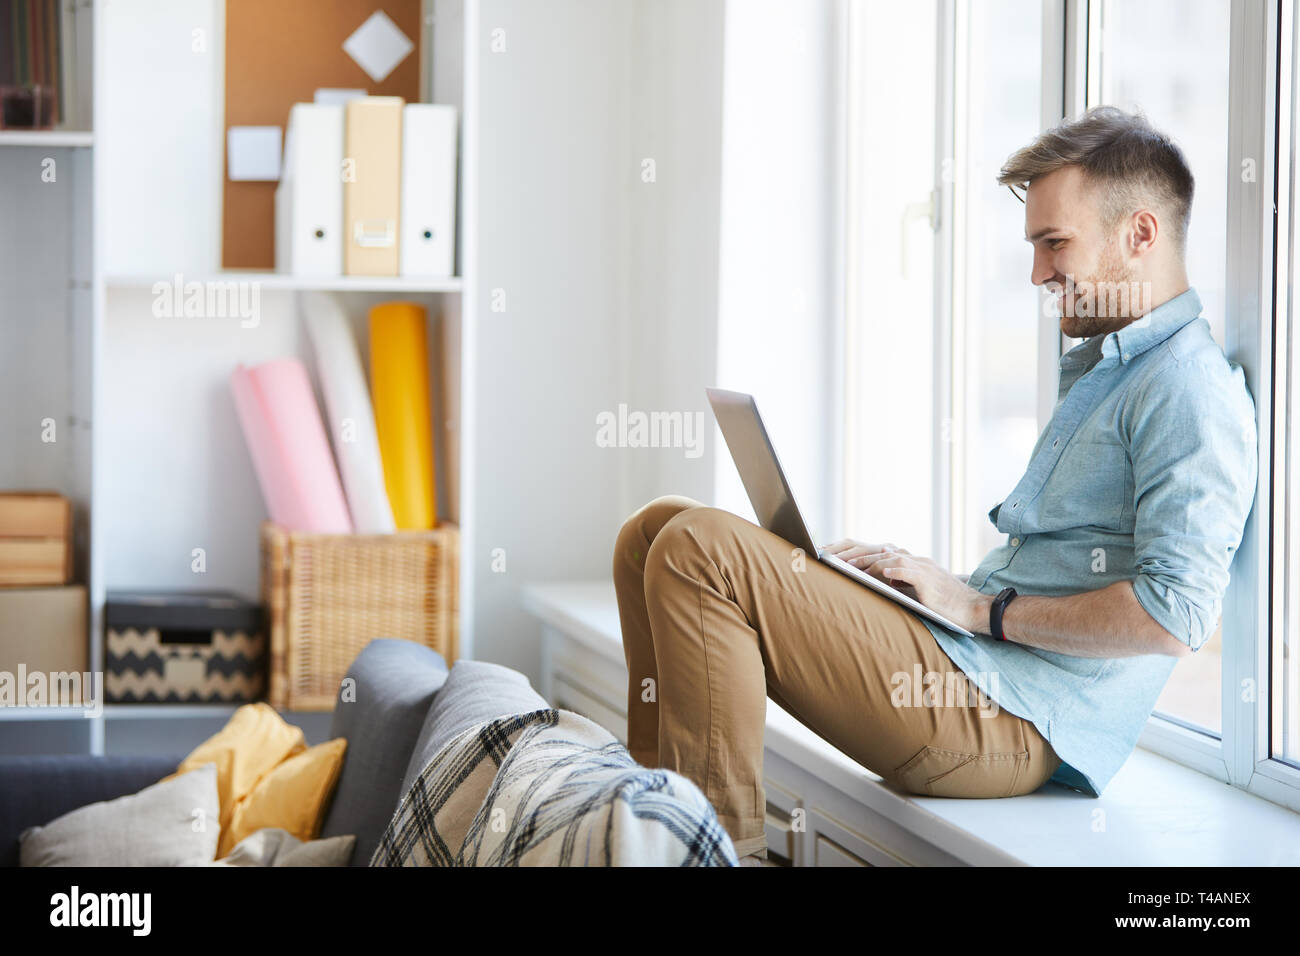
x,y
769,493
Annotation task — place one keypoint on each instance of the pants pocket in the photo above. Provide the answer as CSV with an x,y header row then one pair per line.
x,y
934,772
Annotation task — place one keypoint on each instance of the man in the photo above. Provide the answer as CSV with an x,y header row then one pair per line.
x,y
1119,538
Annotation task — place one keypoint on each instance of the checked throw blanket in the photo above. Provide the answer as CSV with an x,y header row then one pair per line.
x,y
550,788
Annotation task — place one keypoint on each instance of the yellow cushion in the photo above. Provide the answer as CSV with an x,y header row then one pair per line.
x,y
254,741
292,797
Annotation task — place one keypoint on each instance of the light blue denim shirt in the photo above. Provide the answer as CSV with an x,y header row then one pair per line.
x,y
1146,472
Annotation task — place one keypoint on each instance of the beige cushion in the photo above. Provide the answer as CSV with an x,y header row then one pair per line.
x,y
272,846
172,823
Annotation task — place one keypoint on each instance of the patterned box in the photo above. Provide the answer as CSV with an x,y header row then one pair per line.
x,y
188,647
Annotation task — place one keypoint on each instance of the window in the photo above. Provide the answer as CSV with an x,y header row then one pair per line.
x,y
1286,688
1181,84
889,367
1284,656
995,306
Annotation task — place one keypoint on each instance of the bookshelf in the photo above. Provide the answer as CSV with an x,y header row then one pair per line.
x,y
149,450
46,139
274,281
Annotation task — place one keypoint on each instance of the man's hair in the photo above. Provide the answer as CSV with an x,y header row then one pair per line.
x,y
1132,164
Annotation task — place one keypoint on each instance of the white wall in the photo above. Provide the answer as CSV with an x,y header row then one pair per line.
x,y
160,122
670,344
554,175
611,281
777,302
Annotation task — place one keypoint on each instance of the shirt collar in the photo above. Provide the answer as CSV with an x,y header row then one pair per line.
x,y
1140,335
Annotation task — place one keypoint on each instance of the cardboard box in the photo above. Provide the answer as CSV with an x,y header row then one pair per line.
x,y
34,514
44,630
35,539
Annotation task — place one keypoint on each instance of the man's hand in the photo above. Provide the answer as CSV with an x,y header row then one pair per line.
x,y
919,578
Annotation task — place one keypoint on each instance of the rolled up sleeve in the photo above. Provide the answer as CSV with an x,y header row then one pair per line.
x,y
1193,448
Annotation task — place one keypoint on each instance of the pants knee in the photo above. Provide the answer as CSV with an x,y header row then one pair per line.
x,y
683,532
647,521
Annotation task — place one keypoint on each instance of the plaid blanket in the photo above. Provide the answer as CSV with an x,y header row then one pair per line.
x,y
550,788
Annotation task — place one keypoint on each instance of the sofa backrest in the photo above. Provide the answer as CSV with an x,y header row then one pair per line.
x,y
394,683
36,790
475,692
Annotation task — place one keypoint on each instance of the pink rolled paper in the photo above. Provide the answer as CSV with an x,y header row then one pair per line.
x,y
291,454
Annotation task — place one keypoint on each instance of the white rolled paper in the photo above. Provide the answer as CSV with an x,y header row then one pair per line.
x,y
350,414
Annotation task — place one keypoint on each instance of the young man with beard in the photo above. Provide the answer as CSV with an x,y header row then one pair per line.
x,y
1119,539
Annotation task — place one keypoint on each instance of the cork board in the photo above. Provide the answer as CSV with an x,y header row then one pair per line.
x,y
278,54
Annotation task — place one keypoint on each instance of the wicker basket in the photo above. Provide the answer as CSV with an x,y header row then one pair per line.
x,y
329,595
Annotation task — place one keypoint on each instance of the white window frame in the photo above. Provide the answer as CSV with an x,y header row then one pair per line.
x,y
1262,43
1262,48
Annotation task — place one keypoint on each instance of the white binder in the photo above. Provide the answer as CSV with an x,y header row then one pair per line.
x,y
309,199
428,220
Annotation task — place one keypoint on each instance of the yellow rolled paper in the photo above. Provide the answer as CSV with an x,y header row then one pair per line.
x,y
399,390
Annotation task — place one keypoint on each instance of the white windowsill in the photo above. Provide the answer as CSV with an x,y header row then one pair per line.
x,y
1154,812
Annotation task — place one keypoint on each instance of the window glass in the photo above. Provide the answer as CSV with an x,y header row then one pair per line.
x,y
1181,85
889,363
999,379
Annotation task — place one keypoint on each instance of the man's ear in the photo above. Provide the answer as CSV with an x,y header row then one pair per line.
x,y
1143,230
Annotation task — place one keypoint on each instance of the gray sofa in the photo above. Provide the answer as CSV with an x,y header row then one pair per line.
x,y
393,718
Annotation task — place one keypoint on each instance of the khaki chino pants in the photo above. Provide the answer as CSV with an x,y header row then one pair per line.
x,y
719,614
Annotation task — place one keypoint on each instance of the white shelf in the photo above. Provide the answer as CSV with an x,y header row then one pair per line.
x,y
166,711
46,138
125,712
281,281
43,713
181,711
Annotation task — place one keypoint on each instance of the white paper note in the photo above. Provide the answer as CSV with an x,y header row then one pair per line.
x,y
378,45
253,153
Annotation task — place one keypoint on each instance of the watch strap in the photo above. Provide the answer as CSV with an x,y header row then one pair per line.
x,y
996,610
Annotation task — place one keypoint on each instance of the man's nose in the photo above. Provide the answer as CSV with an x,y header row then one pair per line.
x,y
1043,269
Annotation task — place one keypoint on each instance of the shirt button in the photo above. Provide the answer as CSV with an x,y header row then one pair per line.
x,y
1055,442
1015,542
1016,505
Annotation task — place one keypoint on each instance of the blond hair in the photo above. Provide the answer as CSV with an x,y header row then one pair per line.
x,y
1132,164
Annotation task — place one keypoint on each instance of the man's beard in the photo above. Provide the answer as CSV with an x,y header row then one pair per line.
x,y
1096,295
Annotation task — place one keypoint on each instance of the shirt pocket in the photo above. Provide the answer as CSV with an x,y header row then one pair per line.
x,y
1091,485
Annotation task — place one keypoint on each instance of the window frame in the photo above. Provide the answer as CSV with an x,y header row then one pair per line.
x,y
1261,97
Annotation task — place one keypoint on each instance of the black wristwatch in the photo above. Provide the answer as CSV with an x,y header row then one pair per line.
x,y
1005,596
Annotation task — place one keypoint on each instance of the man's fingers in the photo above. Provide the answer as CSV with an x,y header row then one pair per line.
x,y
859,550
876,564
862,557
845,545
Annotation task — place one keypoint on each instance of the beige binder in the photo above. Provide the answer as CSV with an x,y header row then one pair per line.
x,y
266,75
372,183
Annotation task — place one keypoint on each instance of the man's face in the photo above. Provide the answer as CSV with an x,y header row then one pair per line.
x,y
1076,257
